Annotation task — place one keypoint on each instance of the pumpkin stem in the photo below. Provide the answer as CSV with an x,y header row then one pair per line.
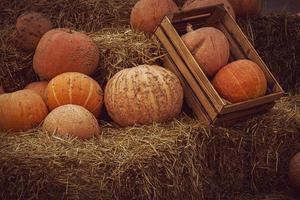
x,y
189,28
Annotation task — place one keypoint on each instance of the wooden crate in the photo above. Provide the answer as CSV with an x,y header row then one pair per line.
x,y
200,94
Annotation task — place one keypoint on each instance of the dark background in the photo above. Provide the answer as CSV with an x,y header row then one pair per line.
x,y
278,6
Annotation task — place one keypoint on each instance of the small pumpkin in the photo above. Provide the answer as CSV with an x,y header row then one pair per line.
x,y
64,50
244,8
21,110
146,15
30,27
294,172
72,120
240,80
209,47
74,88
143,95
192,4
38,87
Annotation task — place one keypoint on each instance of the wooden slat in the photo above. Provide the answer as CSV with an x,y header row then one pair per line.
x,y
192,65
190,97
251,103
186,73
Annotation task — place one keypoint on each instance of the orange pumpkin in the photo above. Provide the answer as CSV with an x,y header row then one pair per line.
x,y
74,88
30,28
1,90
21,110
294,172
192,4
73,120
244,8
240,80
143,95
209,47
146,15
63,50
38,87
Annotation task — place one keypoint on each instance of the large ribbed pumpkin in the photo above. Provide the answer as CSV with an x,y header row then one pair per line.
x,y
146,15
240,80
209,47
21,110
294,172
39,87
143,95
192,4
64,50
74,88
30,28
73,120
245,8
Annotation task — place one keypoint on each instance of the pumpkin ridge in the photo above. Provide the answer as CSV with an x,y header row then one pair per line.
x,y
89,94
70,89
54,94
239,84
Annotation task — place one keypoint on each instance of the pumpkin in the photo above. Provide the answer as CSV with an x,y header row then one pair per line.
x,y
146,15
21,110
192,4
294,172
1,90
38,87
240,80
30,27
244,8
143,95
209,47
74,88
64,50
73,120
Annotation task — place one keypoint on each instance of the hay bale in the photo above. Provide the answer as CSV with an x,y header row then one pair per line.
x,y
277,195
276,38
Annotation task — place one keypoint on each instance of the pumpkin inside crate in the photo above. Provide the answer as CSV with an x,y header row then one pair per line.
x,y
216,109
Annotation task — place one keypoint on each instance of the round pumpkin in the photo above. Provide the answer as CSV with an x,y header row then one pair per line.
x,y
143,95
38,87
64,50
73,120
146,15
209,47
192,4
1,90
74,88
30,27
294,172
21,110
244,8
240,80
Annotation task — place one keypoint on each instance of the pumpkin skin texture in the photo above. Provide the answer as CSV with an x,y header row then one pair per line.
x,y
146,15
73,120
244,8
74,88
38,87
30,27
240,80
63,50
192,4
143,95
21,110
294,172
209,47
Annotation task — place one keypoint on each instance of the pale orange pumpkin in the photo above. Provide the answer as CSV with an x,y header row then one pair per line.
x,y
192,4
64,50
244,8
73,120
74,88
143,95
240,80
21,110
39,87
30,27
294,172
146,15
209,47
